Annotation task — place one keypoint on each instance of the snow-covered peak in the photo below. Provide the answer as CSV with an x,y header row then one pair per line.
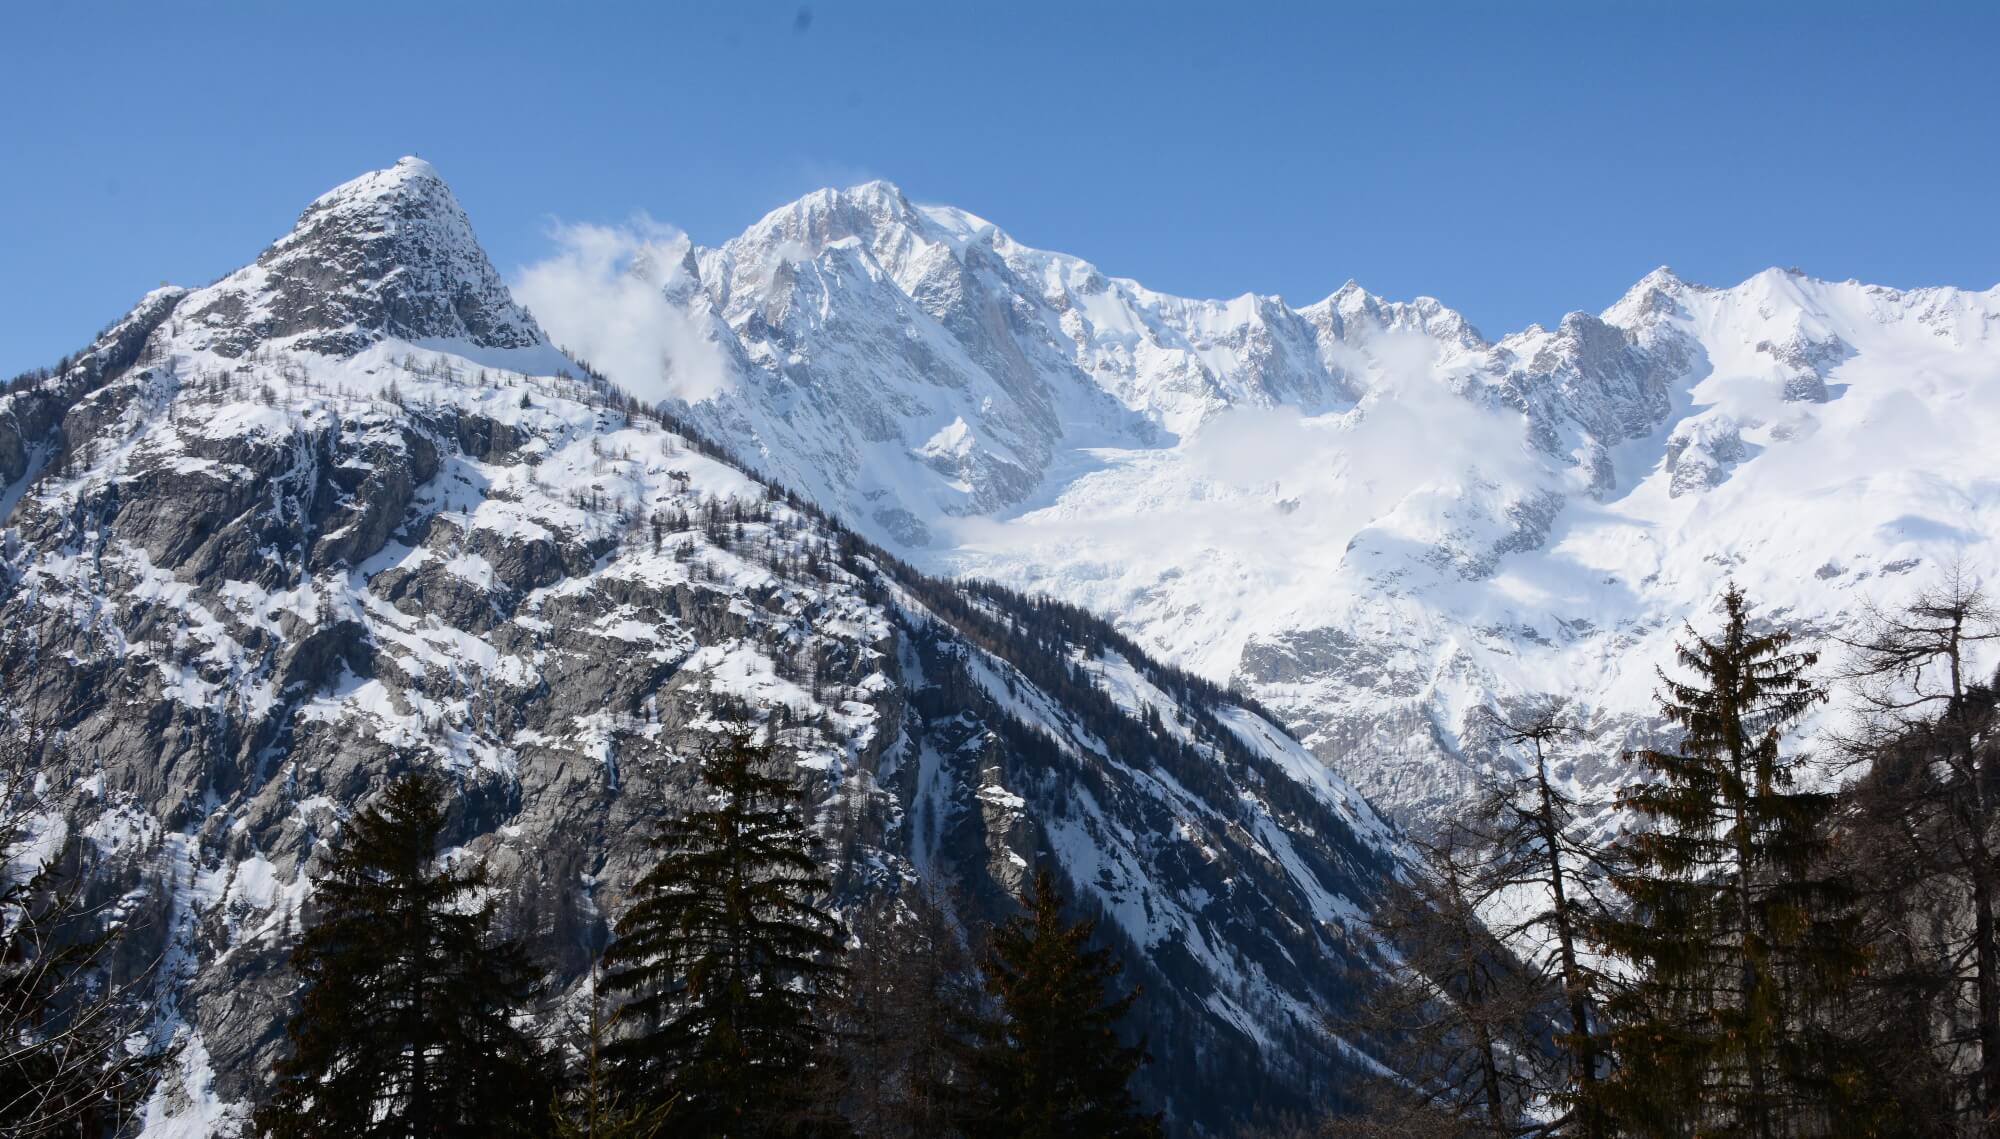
x,y
1352,313
1656,295
388,254
826,216
1360,508
390,182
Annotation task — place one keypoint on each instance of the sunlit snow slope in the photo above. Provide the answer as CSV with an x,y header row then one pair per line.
x,y
1362,511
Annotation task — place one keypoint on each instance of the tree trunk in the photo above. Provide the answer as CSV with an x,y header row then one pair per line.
x,y
1583,1049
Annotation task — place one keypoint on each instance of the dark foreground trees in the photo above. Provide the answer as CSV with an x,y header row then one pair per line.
x,y
728,961
1741,938
1919,841
1527,827
1050,1064
1787,957
590,1105
913,991
408,1025
724,1008
1461,1024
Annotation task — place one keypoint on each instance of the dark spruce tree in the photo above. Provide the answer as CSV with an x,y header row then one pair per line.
x,y
406,1026
1050,1064
728,961
1739,938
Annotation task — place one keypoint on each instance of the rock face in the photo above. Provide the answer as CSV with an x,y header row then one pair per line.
x,y
1373,518
390,254
346,513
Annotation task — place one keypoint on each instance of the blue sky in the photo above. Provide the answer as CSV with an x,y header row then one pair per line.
x,y
1515,160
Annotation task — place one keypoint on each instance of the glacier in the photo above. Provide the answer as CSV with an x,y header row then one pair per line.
x,y
1363,512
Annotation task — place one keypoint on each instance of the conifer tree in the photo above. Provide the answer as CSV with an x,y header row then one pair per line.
x,y
1738,936
1050,1065
406,1025
727,959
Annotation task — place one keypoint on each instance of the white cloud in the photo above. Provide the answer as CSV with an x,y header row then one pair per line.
x,y
601,296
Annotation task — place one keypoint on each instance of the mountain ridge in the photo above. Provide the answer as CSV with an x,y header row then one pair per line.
x,y
262,556
1362,511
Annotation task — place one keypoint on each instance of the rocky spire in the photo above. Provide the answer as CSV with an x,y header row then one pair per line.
x,y
389,254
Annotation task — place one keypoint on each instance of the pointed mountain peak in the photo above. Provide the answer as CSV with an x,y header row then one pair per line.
x,y
1655,296
409,189
1356,311
1663,277
878,190
388,254
868,211
1350,295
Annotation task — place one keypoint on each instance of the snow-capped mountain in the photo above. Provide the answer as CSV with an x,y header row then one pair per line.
x,y
1362,511
270,542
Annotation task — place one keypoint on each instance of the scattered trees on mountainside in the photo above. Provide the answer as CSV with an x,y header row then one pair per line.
x,y
409,1022
1777,948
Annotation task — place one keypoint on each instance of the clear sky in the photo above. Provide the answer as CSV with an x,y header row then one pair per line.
x,y
1514,159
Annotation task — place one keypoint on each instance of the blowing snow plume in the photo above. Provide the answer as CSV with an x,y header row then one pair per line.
x,y
602,296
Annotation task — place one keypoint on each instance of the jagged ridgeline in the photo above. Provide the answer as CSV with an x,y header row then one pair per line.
x,y
348,513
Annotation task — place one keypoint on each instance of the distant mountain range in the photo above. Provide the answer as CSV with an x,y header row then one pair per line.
x,y
1364,512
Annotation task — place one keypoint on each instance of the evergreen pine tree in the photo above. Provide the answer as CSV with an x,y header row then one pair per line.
x,y
406,1026
726,959
1738,937
1051,1066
